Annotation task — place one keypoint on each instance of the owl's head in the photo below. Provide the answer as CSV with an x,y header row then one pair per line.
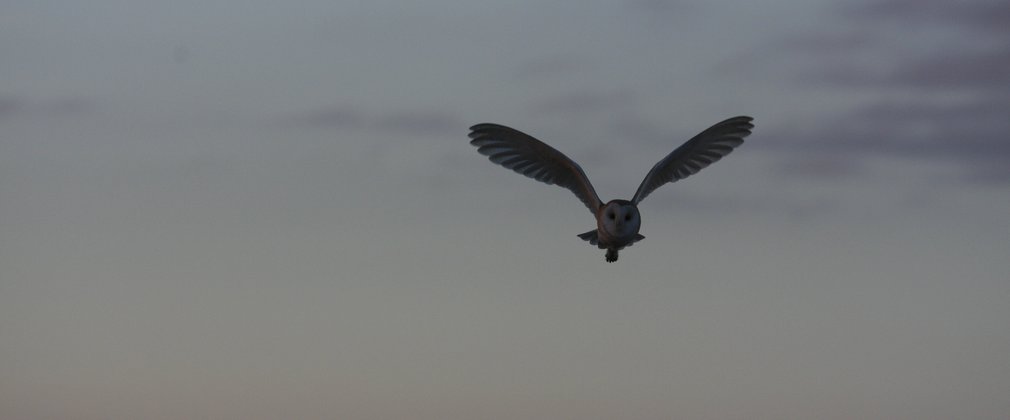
x,y
620,218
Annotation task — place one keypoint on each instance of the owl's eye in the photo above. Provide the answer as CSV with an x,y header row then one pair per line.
x,y
627,217
612,216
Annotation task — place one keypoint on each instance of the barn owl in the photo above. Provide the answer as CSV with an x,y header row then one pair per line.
x,y
617,221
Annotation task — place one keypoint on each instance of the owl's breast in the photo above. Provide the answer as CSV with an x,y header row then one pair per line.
x,y
610,240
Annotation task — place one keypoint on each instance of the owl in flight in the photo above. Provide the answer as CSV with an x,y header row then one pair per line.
x,y
618,221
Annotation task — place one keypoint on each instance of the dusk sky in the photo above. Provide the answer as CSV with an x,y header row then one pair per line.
x,y
263,210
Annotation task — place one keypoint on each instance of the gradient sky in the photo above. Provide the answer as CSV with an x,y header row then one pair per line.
x,y
262,210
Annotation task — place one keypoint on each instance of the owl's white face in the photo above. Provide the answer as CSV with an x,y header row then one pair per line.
x,y
619,218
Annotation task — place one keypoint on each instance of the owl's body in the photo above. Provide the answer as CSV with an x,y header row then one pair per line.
x,y
617,221
617,225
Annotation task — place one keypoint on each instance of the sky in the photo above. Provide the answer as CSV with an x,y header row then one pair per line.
x,y
261,210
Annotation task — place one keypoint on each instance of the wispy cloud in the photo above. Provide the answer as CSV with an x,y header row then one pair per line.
x,y
426,122
944,103
986,15
971,50
819,165
347,117
13,106
330,117
10,105
854,63
551,66
983,70
630,127
585,101
662,6
972,134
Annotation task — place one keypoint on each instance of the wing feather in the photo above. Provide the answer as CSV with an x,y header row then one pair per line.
x,y
702,150
533,158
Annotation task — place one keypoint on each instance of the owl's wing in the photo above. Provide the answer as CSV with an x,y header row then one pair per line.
x,y
702,150
526,155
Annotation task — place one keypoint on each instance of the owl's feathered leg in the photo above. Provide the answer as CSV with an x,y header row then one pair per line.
x,y
611,255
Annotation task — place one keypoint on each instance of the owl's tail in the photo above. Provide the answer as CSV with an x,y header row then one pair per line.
x,y
592,237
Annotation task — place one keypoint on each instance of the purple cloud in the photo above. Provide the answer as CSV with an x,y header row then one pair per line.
x,y
975,53
985,15
973,134
957,69
947,103
987,71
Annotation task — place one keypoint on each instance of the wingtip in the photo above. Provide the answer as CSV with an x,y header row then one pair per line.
x,y
478,131
742,121
485,126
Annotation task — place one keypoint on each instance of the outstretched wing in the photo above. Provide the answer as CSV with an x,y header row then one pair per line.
x,y
702,150
526,155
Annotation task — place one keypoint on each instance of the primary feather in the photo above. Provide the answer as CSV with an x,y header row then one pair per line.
x,y
702,150
526,155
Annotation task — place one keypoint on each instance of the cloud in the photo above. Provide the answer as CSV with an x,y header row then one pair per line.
x,y
989,173
984,15
330,117
828,42
13,105
972,134
550,67
10,105
952,70
585,101
943,101
965,53
818,165
981,70
346,117
629,127
777,204
662,6
417,122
